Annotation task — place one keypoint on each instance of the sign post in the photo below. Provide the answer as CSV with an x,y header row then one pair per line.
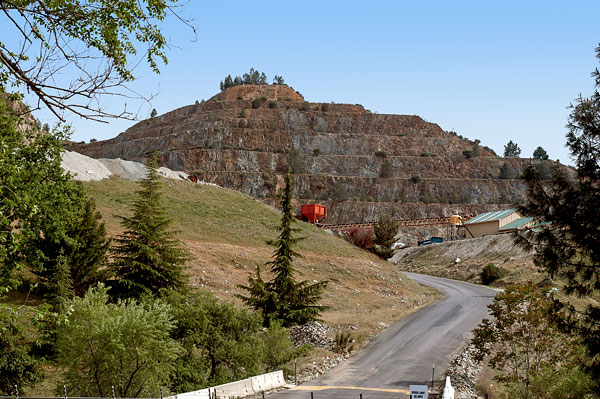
x,y
418,391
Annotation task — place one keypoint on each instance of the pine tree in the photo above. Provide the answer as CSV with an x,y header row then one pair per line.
x,y
540,153
147,257
511,150
569,245
284,298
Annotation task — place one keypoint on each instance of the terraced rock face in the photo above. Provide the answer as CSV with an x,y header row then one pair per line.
x,y
246,137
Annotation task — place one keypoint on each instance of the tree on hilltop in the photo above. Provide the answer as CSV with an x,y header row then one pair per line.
x,y
147,259
540,153
283,298
511,150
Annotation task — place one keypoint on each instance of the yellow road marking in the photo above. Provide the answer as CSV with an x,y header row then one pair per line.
x,y
322,388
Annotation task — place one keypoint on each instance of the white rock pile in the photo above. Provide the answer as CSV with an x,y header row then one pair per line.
x,y
463,372
313,333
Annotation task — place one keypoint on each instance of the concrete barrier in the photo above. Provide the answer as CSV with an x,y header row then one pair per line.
x,y
238,389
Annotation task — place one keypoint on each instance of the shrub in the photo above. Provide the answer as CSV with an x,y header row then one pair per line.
x,y
468,154
387,170
491,273
316,152
343,342
362,238
250,124
243,113
340,193
415,179
380,154
305,106
272,104
324,107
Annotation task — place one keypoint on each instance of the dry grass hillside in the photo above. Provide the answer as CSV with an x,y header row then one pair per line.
x,y
465,259
226,233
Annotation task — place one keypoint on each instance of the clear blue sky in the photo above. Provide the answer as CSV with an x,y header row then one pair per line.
x,y
494,71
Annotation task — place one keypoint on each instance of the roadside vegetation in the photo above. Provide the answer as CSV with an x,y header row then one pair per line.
x,y
540,344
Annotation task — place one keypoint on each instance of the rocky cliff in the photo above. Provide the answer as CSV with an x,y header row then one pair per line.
x,y
358,162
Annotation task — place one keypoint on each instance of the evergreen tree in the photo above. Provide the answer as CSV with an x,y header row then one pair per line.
x,y
147,258
385,231
284,298
507,171
278,80
511,150
569,244
540,153
153,113
78,254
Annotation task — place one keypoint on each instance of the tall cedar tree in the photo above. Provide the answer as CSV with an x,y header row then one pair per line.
x,y
284,299
569,245
147,258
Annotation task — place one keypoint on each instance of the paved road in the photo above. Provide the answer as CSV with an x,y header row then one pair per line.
x,y
404,353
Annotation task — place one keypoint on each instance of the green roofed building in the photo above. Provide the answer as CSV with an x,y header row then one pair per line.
x,y
503,221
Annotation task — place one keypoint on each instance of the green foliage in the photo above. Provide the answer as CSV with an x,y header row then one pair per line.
x,y
71,264
278,348
507,171
153,113
284,299
340,192
278,80
257,102
385,231
92,43
380,154
41,209
116,344
540,153
253,77
296,163
316,152
147,259
387,170
221,343
305,106
511,150
523,341
17,367
415,179
272,105
491,273
324,107
569,242
468,154
243,113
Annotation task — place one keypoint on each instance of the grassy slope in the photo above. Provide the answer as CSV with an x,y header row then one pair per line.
x,y
226,232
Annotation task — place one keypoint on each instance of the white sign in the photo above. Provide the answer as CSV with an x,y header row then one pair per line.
x,y
418,391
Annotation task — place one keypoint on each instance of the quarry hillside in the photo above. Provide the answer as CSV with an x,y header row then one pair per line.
x,y
359,163
226,234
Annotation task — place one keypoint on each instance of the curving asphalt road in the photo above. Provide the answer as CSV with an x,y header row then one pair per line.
x,y
405,353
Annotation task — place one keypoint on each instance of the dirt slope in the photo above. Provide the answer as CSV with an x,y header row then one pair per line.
x,y
465,259
226,232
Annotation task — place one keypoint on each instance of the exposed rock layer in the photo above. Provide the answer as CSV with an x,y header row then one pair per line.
x,y
245,138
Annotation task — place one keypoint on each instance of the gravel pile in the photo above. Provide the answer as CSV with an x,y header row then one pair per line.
x,y
463,372
319,368
313,333
85,168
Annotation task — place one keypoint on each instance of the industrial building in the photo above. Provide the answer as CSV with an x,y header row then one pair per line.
x,y
498,222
